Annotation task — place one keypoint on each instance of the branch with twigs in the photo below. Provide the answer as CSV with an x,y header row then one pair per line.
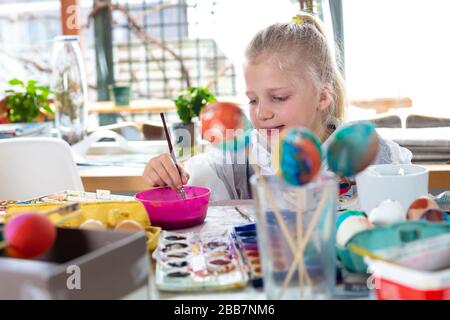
x,y
135,27
100,5
155,9
39,66
215,79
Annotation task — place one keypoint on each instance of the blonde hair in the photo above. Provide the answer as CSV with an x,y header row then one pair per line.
x,y
303,39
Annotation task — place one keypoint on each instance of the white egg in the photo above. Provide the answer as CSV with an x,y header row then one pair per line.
x,y
350,227
129,226
92,224
387,213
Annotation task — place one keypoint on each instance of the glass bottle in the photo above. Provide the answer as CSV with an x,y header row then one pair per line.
x,y
69,88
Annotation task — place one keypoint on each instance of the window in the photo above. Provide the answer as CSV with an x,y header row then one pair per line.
x,y
399,48
208,35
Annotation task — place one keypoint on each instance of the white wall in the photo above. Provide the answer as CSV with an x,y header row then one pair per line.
x,y
399,48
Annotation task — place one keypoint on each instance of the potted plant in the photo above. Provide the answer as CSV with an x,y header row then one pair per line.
x,y
25,103
189,104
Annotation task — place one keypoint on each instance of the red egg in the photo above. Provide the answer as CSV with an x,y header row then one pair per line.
x,y
218,117
419,206
30,234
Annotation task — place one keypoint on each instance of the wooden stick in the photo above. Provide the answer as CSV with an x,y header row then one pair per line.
x,y
278,215
299,220
305,241
303,272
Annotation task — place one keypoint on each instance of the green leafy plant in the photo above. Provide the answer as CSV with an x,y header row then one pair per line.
x,y
191,101
26,102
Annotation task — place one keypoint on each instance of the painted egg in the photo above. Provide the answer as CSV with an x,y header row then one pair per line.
x,y
435,215
387,212
419,206
352,148
224,124
347,214
92,224
350,227
344,186
299,156
129,226
30,234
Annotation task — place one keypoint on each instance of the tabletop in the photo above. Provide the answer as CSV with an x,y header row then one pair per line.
x,y
129,179
225,218
136,106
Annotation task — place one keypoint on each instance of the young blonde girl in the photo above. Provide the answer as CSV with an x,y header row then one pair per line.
x,y
292,79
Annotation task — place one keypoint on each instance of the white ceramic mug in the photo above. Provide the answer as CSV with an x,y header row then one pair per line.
x,y
401,182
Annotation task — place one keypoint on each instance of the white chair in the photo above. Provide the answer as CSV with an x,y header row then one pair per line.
x,y
32,167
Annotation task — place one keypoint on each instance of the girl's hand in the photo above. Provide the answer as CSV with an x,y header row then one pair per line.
x,y
161,171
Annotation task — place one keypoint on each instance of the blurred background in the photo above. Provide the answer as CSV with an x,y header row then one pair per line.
x,y
122,62
395,50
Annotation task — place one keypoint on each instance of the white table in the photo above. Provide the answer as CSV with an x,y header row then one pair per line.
x,y
214,221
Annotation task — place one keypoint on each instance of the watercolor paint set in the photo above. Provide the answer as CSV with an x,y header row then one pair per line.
x,y
246,239
197,262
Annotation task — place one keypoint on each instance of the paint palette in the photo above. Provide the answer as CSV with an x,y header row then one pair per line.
x,y
197,262
245,237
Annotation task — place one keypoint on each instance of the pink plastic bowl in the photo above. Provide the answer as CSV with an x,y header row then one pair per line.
x,y
166,208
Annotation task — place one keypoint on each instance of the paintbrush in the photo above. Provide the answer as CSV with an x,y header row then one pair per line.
x,y
172,154
366,253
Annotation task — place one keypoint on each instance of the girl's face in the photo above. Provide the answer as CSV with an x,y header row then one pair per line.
x,y
278,101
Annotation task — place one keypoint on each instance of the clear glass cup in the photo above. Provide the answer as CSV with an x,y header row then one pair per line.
x,y
296,235
69,88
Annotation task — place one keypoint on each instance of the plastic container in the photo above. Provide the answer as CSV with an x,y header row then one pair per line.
x,y
400,283
298,213
401,182
166,208
421,270
382,238
109,213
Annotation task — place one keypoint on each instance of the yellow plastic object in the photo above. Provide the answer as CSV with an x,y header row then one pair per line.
x,y
109,213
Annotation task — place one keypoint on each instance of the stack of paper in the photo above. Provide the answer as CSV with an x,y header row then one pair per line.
x,y
12,130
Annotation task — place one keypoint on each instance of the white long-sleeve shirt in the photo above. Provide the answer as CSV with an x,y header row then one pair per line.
x,y
229,179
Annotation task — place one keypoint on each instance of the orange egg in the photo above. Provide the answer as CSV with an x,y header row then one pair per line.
x,y
218,117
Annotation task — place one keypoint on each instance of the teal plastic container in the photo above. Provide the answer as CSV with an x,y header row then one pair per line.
x,y
387,237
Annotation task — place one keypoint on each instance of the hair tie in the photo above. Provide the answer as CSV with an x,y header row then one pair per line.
x,y
298,20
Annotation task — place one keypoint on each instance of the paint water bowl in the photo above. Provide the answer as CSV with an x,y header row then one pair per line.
x,y
400,182
166,208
